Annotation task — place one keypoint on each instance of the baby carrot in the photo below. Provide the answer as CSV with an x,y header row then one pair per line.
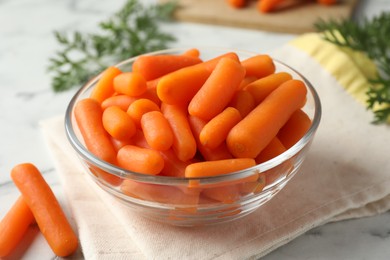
x,y
220,167
14,225
173,166
216,130
47,212
193,52
259,127
104,87
141,160
225,194
155,66
121,101
266,6
243,101
258,66
219,153
151,94
246,81
212,63
218,89
158,133
139,107
273,149
88,115
184,144
294,129
178,87
118,123
261,88
130,83
236,3
118,144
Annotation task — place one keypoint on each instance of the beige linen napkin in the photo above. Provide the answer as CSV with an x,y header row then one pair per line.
x,y
346,175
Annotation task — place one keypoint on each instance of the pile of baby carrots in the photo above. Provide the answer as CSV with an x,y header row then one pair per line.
x,y
268,6
37,204
180,116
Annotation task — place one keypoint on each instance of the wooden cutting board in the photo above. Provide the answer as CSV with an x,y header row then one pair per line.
x,y
297,18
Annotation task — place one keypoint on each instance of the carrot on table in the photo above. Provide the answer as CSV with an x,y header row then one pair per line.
x,y
155,66
219,167
258,66
140,107
254,132
215,131
178,87
157,130
122,101
243,101
261,88
218,89
118,123
294,129
184,144
141,160
104,87
236,3
47,212
14,225
219,153
130,83
273,149
266,6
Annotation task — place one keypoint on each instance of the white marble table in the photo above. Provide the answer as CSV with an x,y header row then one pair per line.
x,y
26,43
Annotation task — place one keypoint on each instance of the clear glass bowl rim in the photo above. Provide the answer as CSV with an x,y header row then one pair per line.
x,y
155,179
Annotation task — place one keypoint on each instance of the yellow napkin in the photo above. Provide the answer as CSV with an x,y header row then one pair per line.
x,y
346,175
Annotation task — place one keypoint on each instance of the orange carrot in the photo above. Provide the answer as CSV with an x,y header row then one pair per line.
x,y
159,193
236,3
249,137
193,52
225,194
273,149
178,87
118,144
219,153
253,186
158,133
104,87
155,66
243,101
294,129
141,160
246,81
139,107
216,130
258,66
266,6
212,63
173,166
327,2
130,83
88,115
118,123
121,101
47,212
220,167
14,225
218,89
261,88
184,144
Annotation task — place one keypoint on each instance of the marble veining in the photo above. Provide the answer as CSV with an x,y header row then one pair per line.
x,y
27,42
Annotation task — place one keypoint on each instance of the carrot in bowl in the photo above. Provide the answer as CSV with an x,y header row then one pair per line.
x,y
258,66
14,225
157,130
130,83
249,137
118,123
218,89
295,128
47,212
104,87
155,66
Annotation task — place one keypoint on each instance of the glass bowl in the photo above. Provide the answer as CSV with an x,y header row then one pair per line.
x,y
196,201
